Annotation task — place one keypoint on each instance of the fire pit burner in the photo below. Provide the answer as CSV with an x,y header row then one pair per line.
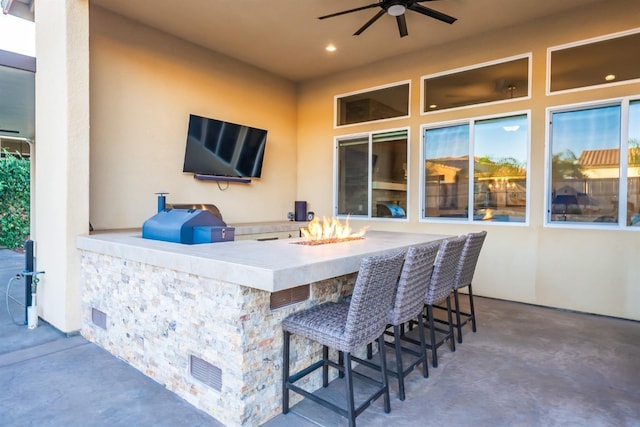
x,y
327,241
328,231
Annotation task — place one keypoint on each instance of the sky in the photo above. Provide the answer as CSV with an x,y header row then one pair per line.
x,y
17,35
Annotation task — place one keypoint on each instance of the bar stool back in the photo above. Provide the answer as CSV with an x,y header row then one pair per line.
x,y
464,275
440,287
345,327
407,306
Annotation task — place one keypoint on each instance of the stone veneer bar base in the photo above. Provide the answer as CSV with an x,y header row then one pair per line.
x,y
156,318
160,305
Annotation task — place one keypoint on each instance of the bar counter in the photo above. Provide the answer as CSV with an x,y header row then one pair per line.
x,y
198,318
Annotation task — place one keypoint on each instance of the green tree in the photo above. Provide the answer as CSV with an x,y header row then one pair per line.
x,y
14,199
564,165
634,152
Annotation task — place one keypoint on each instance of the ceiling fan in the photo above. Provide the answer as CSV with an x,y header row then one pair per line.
x,y
396,8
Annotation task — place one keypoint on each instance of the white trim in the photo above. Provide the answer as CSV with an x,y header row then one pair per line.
x,y
623,197
584,42
369,136
471,123
423,78
371,89
621,224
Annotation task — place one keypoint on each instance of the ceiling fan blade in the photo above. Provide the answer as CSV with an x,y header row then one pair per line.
x,y
402,25
344,12
369,22
432,13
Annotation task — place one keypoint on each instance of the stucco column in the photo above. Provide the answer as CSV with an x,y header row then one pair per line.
x,y
61,209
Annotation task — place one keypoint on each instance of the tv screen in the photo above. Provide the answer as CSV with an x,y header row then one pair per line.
x,y
220,148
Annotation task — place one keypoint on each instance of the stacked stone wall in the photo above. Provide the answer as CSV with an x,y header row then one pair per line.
x,y
157,318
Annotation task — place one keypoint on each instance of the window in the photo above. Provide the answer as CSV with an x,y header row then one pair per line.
x,y
595,62
498,81
481,163
633,169
372,175
373,104
595,165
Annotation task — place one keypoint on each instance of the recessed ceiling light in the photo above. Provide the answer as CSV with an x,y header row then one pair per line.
x,y
610,77
330,48
432,106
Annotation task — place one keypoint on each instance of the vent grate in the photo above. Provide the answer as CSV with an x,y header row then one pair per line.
x,y
289,296
99,318
206,372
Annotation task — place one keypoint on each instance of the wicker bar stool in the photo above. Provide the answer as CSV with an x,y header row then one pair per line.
x,y
439,290
407,306
346,327
464,275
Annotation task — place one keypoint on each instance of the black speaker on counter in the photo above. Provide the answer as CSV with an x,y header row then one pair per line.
x,y
301,210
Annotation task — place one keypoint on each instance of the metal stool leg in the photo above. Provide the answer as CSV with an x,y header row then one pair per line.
x,y
399,367
423,348
450,319
385,378
285,374
348,375
458,321
432,336
472,310
325,366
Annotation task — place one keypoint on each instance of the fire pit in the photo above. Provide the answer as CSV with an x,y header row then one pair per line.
x,y
328,231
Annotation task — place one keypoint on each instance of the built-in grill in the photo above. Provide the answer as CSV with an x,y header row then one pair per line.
x,y
188,224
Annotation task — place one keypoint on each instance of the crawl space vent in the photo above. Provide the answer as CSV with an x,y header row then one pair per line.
x,y
289,296
206,372
99,318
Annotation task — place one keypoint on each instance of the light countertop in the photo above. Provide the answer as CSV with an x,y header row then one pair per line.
x,y
271,265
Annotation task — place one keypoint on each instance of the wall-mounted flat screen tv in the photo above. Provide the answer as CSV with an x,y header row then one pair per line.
x,y
220,148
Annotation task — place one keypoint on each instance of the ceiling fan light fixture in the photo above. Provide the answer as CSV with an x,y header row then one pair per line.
x,y
396,9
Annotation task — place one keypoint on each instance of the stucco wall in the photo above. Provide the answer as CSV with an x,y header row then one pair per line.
x,y
587,270
144,85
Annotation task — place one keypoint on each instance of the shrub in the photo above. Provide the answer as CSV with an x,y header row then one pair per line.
x,y
15,185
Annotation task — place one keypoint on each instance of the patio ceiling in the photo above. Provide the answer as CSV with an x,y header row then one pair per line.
x,y
285,37
17,83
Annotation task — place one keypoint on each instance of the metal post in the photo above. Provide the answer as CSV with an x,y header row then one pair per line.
x,y
162,200
28,278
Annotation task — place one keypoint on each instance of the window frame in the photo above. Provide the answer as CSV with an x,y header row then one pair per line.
x,y
621,224
471,122
423,79
337,97
336,183
584,42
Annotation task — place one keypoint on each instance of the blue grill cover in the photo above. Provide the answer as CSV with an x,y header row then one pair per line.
x,y
177,225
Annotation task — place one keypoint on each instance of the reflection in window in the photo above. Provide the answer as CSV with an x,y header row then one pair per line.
x,y
633,170
499,169
585,165
353,176
501,81
370,105
446,166
595,63
372,175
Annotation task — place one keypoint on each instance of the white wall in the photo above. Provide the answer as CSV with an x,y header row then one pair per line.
x,y
61,151
144,84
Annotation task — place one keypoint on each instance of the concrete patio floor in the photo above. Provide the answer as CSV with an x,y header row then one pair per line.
x,y
526,366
